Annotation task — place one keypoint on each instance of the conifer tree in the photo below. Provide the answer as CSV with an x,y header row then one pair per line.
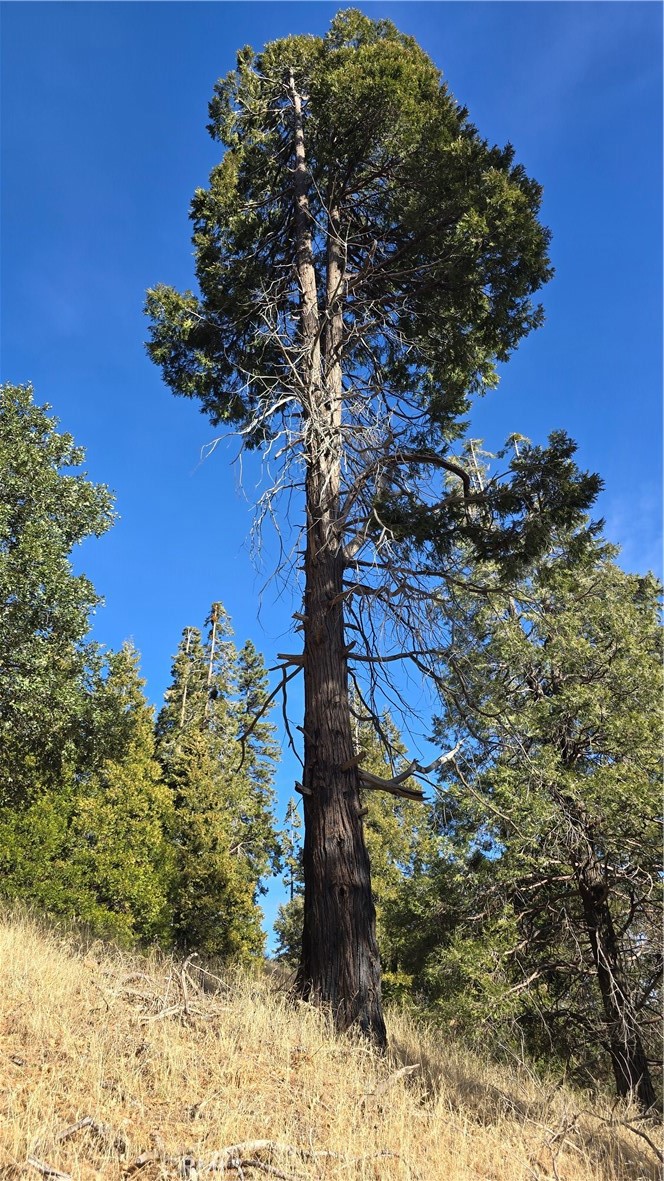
x,y
119,837
364,260
405,847
557,685
255,771
94,846
290,915
223,832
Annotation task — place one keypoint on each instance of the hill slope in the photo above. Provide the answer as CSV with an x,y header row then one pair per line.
x,y
115,1065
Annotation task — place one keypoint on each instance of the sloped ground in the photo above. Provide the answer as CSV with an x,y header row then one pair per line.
x,y
113,1065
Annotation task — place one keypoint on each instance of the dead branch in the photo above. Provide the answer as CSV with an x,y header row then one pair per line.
x,y
285,678
270,1169
394,788
385,1085
107,1135
395,784
47,1170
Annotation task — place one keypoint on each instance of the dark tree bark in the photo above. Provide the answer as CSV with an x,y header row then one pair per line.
x,y
340,965
628,1057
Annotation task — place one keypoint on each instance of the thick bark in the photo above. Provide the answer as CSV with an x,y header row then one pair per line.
x,y
340,966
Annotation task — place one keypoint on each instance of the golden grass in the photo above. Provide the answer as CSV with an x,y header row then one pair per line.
x,y
86,1031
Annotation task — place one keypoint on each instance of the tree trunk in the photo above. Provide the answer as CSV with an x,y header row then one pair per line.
x,y
340,965
628,1057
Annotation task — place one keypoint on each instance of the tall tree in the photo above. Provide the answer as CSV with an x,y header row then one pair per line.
x,y
364,259
557,685
47,507
224,834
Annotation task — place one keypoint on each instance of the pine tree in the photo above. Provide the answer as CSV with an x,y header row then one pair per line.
x,y
95,846
124,815
404,847
223,831
260,754
290,916
558,685
364,260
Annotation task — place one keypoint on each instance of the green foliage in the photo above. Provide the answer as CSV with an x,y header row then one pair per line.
x,y
288,930
290,916
439,254
558,687
223,829
390,148
94,846
403,846
364,261
46,508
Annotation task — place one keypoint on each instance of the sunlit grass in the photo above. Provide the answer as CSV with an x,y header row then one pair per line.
x,y
174,1067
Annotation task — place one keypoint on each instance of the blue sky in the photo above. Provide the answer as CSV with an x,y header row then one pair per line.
x,y
104,107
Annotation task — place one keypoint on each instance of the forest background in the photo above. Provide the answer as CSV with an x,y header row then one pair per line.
x,y
103,142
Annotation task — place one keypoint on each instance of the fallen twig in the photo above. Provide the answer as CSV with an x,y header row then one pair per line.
x,y
270,1169
47,1170
393,1078
108,1135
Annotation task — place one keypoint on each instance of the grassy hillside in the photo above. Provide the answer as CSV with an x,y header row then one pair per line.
x,y
114,1065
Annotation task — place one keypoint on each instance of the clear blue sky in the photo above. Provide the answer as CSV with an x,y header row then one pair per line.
x,y
104,107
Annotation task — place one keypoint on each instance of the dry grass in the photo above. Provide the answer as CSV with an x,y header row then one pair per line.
x,y
171,1069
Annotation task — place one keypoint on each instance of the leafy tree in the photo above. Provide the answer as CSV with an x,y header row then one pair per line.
x,y
364,259
223,830
95,846
47,507
558,685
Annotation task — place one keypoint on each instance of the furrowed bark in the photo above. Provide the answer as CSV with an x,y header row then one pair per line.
x,y
340,966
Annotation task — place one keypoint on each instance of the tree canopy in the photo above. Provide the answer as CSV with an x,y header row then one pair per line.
x,y
556,684
47,507
364,259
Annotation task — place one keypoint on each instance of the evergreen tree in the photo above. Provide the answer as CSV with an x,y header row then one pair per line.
x,y
364,259
119,837
255,778
47,507
290,916
558,685
223,830
403,844
94,846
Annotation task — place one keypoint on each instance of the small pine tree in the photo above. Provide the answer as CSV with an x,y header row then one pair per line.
x,y
223,832
290,916
95,847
